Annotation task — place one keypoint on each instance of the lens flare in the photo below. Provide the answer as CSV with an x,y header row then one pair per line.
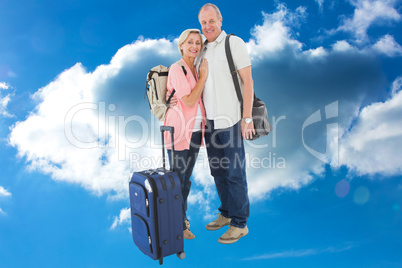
x,y
362,195
342,188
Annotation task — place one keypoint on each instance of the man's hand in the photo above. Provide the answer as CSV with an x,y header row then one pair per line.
x,y
173,100
247,130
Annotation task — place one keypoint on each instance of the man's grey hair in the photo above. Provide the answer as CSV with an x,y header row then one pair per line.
x,y
214,7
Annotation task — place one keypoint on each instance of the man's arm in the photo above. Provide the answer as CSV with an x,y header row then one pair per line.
x,y
248,96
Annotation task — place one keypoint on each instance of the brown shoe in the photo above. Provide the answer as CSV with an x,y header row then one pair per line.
x,y
218,223
233,235
187,234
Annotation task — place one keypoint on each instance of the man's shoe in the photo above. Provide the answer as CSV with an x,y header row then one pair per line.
x,y
233,235
218,223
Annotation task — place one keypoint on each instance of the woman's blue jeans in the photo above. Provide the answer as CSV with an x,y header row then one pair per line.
x,y
183,165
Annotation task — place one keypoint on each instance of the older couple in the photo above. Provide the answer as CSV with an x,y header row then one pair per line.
x,y
206,107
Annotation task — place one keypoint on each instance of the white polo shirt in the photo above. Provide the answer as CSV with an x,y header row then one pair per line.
x,y
220,99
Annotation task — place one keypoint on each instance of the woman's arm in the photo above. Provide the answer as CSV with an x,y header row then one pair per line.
x,y
192,98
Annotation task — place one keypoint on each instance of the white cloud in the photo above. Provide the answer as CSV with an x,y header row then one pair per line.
x,y
275,33
4,192
388,46
75,136
4,100
204,197
342,46
198,199
299,253
4,85
368,13
316,53
289,171
373,145
320,4
396,86
202,174
3,105
308,78
122,219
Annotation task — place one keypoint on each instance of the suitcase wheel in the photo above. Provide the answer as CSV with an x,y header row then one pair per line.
x,y
181,255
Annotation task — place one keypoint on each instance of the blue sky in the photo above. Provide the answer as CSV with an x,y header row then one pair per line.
x,y
325,186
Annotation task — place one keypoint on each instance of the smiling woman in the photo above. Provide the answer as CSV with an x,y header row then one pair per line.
x,y
188,115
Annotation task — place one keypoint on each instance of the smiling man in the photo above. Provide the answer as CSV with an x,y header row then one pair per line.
x,y
227,124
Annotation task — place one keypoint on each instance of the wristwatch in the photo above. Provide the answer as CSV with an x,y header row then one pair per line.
x,y
248,120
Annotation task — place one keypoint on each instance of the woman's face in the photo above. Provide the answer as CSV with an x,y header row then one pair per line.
x,y
191,46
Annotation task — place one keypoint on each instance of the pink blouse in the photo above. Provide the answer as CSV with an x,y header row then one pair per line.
x,y
181,116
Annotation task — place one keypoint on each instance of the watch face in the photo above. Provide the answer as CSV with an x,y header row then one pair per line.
x,y
248,120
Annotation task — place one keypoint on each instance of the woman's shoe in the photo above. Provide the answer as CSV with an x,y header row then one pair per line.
x,y
187,234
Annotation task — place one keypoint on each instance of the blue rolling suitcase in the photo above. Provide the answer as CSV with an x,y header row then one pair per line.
x,y
156,210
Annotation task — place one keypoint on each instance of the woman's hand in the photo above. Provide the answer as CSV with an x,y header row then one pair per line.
x,y
204,69
173,100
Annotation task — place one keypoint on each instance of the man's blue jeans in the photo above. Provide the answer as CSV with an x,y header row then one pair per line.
x,y
184,165
227,162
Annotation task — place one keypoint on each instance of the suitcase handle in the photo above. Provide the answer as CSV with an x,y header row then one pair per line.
x,y
171,130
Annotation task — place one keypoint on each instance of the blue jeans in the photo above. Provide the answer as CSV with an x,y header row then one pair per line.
x,y
227,162
184,165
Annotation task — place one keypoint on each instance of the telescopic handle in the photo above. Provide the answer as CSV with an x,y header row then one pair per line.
x,y
171,130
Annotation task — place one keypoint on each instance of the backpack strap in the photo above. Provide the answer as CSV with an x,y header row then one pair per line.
x,y
182,66
174,90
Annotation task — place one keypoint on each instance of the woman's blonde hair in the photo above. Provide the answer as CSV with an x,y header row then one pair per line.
x,y
184,35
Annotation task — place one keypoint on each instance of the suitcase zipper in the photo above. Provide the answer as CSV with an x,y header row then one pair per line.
x,y
155,188
147,227
146,197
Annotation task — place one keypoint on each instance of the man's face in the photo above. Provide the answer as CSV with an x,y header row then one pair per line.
x,y
210,24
